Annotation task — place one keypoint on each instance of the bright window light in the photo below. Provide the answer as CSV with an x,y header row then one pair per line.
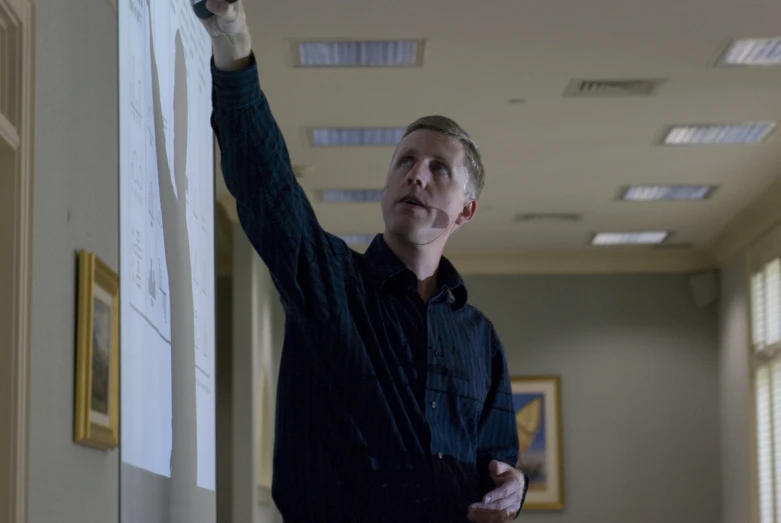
x,y
765,314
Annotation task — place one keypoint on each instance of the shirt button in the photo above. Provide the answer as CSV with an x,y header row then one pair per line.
x,y
433,404
439,455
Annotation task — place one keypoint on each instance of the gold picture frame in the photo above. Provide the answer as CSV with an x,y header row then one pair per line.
x,y
96,410
537,405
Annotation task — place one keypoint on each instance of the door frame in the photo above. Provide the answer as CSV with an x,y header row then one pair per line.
x,y
17,21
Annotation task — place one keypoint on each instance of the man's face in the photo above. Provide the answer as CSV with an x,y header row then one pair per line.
x,y
427,176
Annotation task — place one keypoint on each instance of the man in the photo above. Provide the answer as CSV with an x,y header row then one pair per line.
x,y
394,398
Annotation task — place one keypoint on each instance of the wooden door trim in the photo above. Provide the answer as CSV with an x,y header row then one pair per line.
x,y
19,109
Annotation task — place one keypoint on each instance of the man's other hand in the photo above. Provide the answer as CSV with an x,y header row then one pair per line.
x,y
503,503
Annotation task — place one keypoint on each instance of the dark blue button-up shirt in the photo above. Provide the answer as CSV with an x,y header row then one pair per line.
x,y
388,408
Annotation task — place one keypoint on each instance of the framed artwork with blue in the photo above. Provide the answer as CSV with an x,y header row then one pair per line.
x,y
537,403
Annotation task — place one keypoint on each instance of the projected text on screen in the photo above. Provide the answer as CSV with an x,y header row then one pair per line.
x,y
166,239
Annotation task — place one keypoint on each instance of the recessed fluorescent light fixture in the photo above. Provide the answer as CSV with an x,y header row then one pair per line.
x,y
752,52
630,238
326,52
650,193
356,136
718,134
357,239
352,195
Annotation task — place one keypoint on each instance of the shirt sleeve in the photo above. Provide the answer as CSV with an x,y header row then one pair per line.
x,y
497,433
306,264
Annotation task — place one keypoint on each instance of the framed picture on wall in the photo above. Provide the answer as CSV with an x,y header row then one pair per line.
x,y
537,403
96,409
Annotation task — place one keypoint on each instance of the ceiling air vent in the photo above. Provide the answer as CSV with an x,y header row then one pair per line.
x,y
548,217
613,88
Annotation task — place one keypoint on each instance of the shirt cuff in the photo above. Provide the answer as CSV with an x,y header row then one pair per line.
x,y
236,89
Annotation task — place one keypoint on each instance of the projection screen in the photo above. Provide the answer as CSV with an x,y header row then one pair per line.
x,y
167,432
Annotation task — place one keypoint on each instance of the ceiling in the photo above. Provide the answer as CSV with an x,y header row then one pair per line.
x,y
549,154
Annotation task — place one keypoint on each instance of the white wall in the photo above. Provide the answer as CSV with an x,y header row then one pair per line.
x,y
640,389
76,206
735,396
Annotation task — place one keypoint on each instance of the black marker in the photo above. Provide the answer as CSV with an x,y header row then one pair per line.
x,y
200,9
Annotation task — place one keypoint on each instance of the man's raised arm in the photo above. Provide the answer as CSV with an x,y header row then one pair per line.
x,y
306,264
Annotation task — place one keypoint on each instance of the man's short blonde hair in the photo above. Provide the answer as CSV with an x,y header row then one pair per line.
x,y
448,127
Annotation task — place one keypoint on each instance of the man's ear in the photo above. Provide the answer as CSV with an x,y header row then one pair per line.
x,y
467,213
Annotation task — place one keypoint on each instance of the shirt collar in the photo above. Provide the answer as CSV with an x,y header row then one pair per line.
x,y
386,267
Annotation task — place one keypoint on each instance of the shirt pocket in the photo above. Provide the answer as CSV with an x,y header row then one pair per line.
x,y
467,381
464,403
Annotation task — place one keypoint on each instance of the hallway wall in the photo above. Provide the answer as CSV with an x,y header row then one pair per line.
x,y
76,206
736,401
639,367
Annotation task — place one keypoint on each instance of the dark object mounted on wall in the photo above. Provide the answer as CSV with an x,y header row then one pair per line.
x,y
200,9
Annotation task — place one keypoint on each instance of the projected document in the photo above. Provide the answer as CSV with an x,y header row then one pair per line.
x,y
167,241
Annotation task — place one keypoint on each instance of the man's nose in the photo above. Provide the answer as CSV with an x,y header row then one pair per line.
x,y
418,175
